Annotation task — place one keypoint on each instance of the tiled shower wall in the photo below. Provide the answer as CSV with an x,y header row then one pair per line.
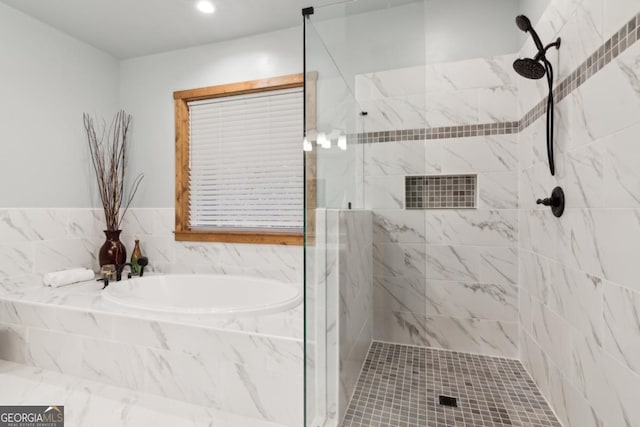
x,y
444,278
579,286
37,241
349,302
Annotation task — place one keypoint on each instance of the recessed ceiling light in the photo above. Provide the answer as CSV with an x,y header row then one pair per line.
x,y
205,6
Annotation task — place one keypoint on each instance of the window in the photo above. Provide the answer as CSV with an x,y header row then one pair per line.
x,y
239,169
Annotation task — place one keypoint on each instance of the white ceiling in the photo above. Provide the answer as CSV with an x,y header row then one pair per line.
x,y
131,28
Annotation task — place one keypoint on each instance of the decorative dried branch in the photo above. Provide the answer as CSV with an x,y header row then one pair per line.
x,y
108,148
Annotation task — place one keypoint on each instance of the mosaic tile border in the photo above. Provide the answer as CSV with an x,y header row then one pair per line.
x,y
441,191
443,132
610,49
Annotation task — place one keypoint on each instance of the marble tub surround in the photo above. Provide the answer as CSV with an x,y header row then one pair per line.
x,y
445,278
38,241
246,366
579,293
92,403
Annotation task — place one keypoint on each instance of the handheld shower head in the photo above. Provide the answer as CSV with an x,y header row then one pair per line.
x,y
535,68
523,23
529,68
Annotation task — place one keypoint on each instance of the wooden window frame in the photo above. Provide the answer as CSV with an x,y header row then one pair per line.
x,y
183,231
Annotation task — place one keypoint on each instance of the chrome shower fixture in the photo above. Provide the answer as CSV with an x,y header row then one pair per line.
x,y
535,68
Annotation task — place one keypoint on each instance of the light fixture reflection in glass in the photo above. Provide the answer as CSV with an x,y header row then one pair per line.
x,y
205,6
306,144
323,141
342,142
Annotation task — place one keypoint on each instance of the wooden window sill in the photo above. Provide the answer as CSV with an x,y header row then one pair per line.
x,y
260,238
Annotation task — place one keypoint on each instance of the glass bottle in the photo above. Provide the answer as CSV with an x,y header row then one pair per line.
x,y
135,255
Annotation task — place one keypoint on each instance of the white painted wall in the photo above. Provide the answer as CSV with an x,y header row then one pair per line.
x,y
48,80
421,32
147,85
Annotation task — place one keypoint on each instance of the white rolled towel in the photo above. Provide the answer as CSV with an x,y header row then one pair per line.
x,y
67,277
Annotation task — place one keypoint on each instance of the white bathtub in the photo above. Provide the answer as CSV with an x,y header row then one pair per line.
x,y
218,295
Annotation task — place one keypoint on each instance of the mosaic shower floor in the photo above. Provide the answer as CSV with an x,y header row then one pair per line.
x,y
400,386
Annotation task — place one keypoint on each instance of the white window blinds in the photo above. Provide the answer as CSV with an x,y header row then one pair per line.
x,y
245,162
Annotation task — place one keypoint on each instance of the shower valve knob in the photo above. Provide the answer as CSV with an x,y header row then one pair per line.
x,y
556,201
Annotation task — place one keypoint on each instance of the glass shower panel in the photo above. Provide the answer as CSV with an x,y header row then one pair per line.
x,y
365,77
334,181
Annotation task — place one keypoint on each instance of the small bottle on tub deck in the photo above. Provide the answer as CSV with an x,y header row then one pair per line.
x,y
135,256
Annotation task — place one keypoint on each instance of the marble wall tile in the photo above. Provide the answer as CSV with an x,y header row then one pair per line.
x,y
496,153
384,192
399,226
139,222
399,327
616,14
536,363
610,99
572,408
86,223
498,265
390,83
53,255
589,311
54,351
451,108
472,335
32,315
532,140
472,73
572,129
498,190
13,343
472,300
407,112
478,227
398,158
607,384
18,225
615,243
552,333
535,275
86,323
616,403
399,260
498,104
111,362
534,184
621,179
622,325
583,176
525,311
16,259
352,364
524,230
268,395
546,233
399,294
461,263
581,36
472,264
183,376
577,297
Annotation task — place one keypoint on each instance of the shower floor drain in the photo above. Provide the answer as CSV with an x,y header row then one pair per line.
x,y
448,401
